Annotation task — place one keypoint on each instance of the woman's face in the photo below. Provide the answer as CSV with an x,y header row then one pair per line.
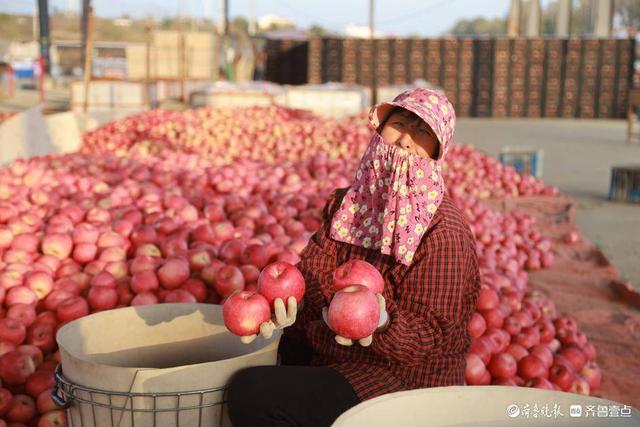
x,y
408,131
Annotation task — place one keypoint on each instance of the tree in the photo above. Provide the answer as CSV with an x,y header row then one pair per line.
x,y
479,27
629,13
317,30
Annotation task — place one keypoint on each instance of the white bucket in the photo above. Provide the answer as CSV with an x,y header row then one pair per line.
x,y
164,348
484,406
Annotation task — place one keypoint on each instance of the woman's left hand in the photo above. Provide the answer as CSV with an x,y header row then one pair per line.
x,y
366,341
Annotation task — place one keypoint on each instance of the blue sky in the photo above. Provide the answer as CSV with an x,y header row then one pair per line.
x,y
401,17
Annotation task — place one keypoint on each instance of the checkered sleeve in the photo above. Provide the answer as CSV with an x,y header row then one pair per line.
x,y
428,307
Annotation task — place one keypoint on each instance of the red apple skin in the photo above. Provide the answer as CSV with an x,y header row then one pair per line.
x,y
173,273
256,255
500,339
589,351
512,325
144,298
102,298
103,279
358,272
13,331
228,280
575,355
487,299
509,382
591,372
562,376
494,318
39,282
22,409
544,353
72,309
483,347
251,273
5,400
42,335
474,370
542,383
503,365
281,280
144,281
477,325
531,367
25,313
354,312
580,386
55,298
55,418
16,367
244,312
179,296
58,245
517,351
44,403
142,263
85,252
195,287
38,382
20,295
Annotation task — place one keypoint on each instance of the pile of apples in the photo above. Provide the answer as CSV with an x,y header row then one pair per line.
x,y
191,207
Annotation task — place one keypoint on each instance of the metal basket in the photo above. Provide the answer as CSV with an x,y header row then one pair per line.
x,y
82,405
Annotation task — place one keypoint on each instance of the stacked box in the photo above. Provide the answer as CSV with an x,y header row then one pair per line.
x,y
571,76
275,60
434,61
517,76
624,76
350,61
554,57
589,74
465,78
450,64
535,75
483,65
332,60
315,60
383,56
400,55
606,88
416,59
502,65
365,58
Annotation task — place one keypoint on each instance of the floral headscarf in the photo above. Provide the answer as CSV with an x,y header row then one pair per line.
x,y
395,194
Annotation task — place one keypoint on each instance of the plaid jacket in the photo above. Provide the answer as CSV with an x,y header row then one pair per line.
x,y
429,305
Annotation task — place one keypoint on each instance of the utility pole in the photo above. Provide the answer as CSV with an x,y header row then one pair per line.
x,y
534,15
86,4
88,58
45,40
604,16
374,59
513,21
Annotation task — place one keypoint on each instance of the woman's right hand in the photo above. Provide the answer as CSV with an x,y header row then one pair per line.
x,y
282,318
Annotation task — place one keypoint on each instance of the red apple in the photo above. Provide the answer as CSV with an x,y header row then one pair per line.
x,y
562,376
20,295
72,309
244,312
530,367
281,280
24,313
22,409
256,255
477,325
591,372
13,331
483,347
42,335
142,263
179,295
494,318
38,382
55,418
228,279
58,245
195,287
474,370
512,325
144,298
546,329
5,400
34,352
56,297
544,353
517,351
358,272
173,273
198,259
16,367
542,383
503,365
580,386
487,299
85,252
44,403
102,298
144,281
575,355
103,279
39,282
85,233
354,312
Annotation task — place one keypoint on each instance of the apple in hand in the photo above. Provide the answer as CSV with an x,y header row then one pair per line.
x,y
354,312
358,272
243,313
281,280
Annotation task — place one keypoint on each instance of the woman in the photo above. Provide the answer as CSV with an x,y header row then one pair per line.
x,y
397,216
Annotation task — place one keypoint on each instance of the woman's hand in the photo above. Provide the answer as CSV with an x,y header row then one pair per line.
x,y
366,341
283,317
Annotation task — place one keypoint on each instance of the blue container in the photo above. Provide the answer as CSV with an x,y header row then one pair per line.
x,y
526,160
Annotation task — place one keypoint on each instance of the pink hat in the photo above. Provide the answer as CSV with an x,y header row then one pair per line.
x,y
431,106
